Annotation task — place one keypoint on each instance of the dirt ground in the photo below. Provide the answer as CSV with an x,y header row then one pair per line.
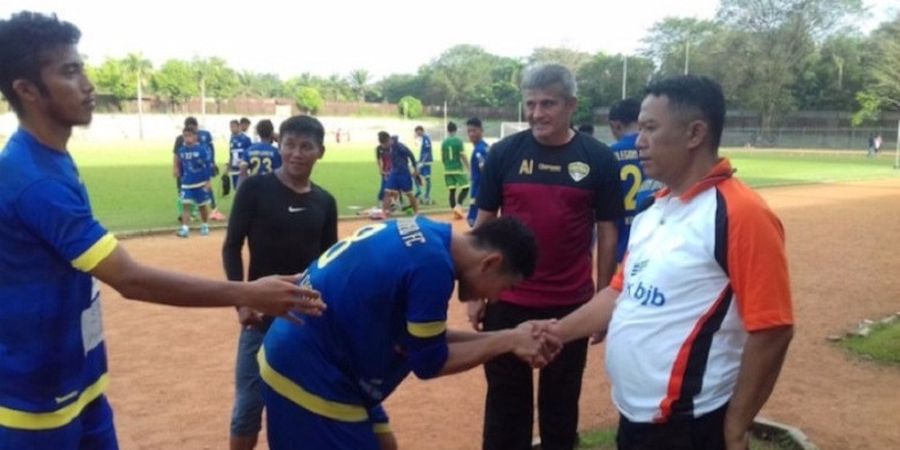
x,y
172,369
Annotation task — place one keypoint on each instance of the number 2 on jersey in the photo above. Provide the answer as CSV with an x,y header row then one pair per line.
x,y
342,245
256,163
633,172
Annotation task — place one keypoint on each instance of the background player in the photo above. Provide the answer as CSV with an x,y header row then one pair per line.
x,y
245,128
238,145
399,179
426,158
194,168
636,186
479,155
205,138
262,157
455,167
388,286
53,373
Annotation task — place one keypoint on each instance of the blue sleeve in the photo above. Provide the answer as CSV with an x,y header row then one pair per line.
x,y
490,185
61,216
276,160
428,292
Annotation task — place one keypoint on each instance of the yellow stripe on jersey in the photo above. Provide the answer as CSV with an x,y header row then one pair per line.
x,y
382,428
426,329
98,252
24,420
295,393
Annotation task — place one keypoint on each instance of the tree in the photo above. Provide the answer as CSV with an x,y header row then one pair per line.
x,y
572,59
600,82
676,45
410,107
260,85
882,91
215,78
176,81
395,87
139,68
359,81
778,36
112,78
455,76
308,99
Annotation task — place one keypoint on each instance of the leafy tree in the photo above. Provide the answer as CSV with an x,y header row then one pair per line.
x,y
140,68
455,76
359,80
882,90
678,45
308,99
175,80
572,59
215,78
394,87
112,78
410,107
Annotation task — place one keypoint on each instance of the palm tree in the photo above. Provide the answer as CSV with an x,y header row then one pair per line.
x,y
359,80
136,64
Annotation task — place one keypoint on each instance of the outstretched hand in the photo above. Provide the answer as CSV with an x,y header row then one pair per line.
x,y
279,295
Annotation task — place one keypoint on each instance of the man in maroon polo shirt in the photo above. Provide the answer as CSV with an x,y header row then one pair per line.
x,y
561,184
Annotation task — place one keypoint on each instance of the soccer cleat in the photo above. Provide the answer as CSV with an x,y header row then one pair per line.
x,y
183,232
204,230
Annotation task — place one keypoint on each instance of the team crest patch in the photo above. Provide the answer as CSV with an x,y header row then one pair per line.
x,y
578,171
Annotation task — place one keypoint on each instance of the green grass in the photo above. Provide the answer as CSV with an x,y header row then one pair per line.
x,y
882,344
132,188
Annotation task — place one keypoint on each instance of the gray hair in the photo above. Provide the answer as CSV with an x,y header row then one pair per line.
x,y
543,76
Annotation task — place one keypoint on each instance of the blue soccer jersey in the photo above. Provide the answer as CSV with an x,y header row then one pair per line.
x,y
426,158
262,158
401,156
238,145
635,186
195,164
52,352
479,156
205,138
387,289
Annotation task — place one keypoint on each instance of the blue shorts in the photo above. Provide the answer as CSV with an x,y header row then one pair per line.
x,y
399,181
246,416
425,171
195,196
93,429
288,424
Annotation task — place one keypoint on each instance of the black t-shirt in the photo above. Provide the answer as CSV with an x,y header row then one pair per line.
x,y
560,193
285,230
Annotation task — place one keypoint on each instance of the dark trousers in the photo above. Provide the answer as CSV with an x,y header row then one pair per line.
x,y
509,406
702,433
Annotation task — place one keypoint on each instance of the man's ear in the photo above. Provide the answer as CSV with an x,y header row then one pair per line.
x,y
492,262
27,91
698,131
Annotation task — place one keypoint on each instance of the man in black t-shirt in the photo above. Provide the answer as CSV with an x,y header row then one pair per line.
x,y
287,221
563,184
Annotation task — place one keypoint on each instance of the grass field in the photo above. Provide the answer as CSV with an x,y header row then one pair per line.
x,y
132,188
883,344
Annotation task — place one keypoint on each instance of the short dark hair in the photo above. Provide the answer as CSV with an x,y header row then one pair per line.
x,y
245,120
699,93
190,129
451,127
191,120
265,129
25,39
625,111
513,239
303,126
420,128
234,122
586,128
383,136
474,122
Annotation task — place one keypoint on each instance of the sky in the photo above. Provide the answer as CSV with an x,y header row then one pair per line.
x,y
384,37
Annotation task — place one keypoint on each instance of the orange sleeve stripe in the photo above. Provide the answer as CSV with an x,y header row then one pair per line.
x,y
618,280
757,261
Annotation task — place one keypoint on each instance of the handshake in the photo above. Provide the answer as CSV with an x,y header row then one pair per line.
x,y
537,342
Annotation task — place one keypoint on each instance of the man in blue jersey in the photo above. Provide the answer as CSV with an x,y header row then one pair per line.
x,y
262,157
399,180
53,370
479,156
245,128
426,158
205,138
388,286
238,145
636,186
194,169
